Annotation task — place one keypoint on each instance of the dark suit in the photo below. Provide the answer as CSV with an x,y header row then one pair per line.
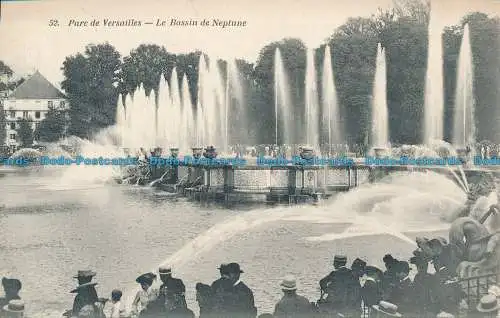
x,y
371,292
293,306
340,286
86,296
234,301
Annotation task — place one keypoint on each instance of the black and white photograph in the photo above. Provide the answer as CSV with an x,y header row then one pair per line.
x,y
249,159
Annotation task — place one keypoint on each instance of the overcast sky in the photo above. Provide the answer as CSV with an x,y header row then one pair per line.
x,y
28,43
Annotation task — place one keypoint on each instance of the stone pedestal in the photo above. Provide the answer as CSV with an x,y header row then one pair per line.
x,y
210,153
157,152
174,152
197,152
306,153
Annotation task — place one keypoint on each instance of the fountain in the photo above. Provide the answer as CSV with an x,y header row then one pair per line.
x,y
282,106
464,128
329,102
121,119
380,123
434,89
312,111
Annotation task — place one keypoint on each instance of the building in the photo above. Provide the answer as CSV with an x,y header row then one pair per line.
x,y
31,101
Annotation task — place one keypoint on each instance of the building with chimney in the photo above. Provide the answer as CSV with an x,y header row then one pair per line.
x,y
30,101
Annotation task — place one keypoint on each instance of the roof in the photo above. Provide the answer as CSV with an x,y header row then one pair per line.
x,y
36,87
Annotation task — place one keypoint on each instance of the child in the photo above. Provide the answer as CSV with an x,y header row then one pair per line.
x,y
116,311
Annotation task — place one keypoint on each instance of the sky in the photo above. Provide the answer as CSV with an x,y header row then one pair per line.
x,y
27,42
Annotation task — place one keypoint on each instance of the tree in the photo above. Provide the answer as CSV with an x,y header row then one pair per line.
x,y
25,133
89,84
5,69
144,65
3,128
53,126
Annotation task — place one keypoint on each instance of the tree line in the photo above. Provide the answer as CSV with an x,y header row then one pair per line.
x,y
95,78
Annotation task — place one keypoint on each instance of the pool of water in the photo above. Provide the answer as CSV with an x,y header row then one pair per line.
x,y
50,230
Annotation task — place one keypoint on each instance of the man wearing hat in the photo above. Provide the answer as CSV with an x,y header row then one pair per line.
x,y
158,306
421,286
291,305
339,286
11,287
234,298
488,306
220,287
86,293
14,309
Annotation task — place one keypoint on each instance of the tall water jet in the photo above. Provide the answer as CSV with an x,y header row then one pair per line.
x,y
175,114
128,117
311,93
162,112
120,119
282,105
187,118
464,128
380,123
434,85
329,102
238,112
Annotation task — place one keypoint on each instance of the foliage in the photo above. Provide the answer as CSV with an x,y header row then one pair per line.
x,y
3,126
53,126
5,69
145,65
25,133
90,80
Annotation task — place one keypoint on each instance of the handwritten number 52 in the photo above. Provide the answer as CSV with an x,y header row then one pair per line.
x,y
53,23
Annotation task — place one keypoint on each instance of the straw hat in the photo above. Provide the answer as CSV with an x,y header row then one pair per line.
x,y
488,303
165,270
444,314
289,283
15,305
387,308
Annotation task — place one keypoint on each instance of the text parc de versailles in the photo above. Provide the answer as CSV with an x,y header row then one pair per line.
x,y
222,23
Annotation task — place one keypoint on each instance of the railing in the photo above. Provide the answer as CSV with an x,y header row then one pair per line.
x,y
476,287
473,287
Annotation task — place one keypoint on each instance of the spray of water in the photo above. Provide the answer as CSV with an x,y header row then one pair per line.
x,y
400,204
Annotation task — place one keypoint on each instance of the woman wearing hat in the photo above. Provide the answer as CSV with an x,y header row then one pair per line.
x,y
147,293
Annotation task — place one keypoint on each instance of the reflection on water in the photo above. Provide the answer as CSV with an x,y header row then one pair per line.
x,y
48,232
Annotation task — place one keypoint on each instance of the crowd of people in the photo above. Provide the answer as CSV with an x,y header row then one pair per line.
x,y
360,290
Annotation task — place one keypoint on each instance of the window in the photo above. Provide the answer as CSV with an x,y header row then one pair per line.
x,y
13,126
37,125
25,115
37,115
50,103
12,136
62,103
12,114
